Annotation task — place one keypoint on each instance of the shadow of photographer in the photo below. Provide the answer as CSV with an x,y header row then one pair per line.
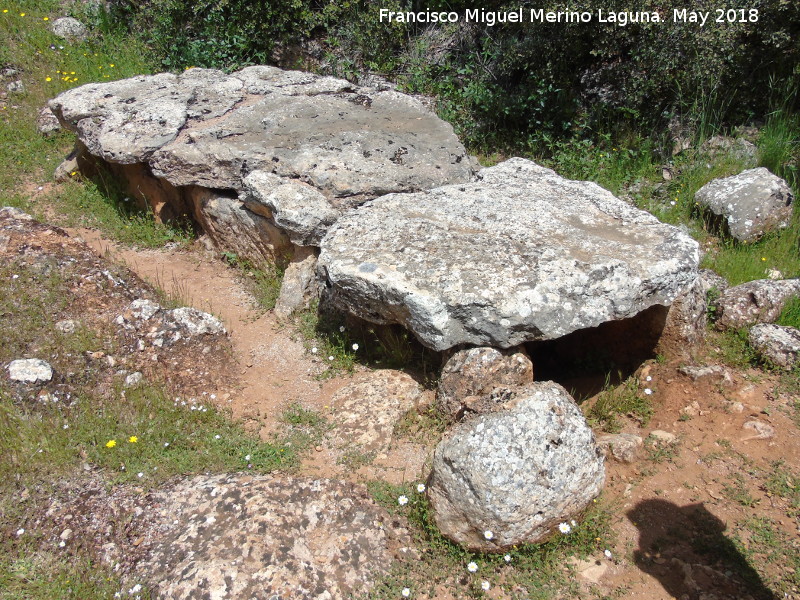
x,y
685,549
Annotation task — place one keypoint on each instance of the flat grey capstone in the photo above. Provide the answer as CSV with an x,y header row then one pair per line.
x,y
518,255
517,473
753,203
30,370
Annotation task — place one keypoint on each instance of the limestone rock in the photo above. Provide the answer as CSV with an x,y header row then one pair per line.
x,y
196,322
752,203
685,326
778,344
738,147
624,447
299,285
16,87
69,28
469,377
367,410
759,301
238,536
297,208
30,370
46,122
714,373
517,473
520,254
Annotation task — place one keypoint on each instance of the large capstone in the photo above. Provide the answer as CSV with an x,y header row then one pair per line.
x,y
520,254
511,477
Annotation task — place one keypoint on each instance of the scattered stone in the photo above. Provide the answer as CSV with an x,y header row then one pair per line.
x,y
759,301
518,473
143,309
519,255
752,203
762,430
299,284
241,536
738,147
196,322
692,410
663,437
16,87
12,212
47,123
133,379
715,373
469,377
367,410
624,447
69,28
66,535
67,326
30,370
778,344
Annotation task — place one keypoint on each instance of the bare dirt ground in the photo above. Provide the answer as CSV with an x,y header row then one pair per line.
x,y
696,517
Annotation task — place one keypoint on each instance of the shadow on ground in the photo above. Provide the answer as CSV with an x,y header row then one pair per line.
x,y
686,550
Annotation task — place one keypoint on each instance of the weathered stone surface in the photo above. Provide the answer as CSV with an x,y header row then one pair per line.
x,y
624,447
776,343
46,122
162,327
738,147
520,254
299,285
367,410
302,211
195,322
69,29
714,373
469,377
759,301
752,203
320,130
239,536
517,473
30,370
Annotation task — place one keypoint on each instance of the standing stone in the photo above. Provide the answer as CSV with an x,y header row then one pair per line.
x,y
778,344
519,255
517,473
469,377
299,284
752,203
759,301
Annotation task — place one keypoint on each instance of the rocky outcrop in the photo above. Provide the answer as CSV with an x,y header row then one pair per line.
x,y
759,301
513,476
777,344
242,536
163,327
520,254
752,203
469,377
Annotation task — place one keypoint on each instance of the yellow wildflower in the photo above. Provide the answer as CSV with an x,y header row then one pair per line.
x,y
48,79
111,443
21,14
111,65
133,439
45,18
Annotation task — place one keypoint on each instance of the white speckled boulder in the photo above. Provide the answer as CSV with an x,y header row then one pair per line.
x,y
778,344
759,301
516,473
518,255
752,203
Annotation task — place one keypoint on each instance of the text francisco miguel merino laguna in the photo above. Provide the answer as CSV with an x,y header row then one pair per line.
x,y
539,15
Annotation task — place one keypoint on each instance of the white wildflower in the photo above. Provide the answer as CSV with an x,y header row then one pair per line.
x,y
488,534
507,558
420,487
247,458
314,350
406,593
62,543
402,500
140,475
648,378
216,437
20,531
564,528
330,358
472,567
607,554
648,391
485,585
341,328
355,347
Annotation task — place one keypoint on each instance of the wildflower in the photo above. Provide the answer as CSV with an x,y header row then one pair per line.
x,y
564,528
472,567
420,487
20,532
485,585
341,328
330,358
247,458
607,554
140,474
355,347
216,437
648,378
406,593
166,444
314,350
45,18
763,258
488,534
111,443
402,500
62,543
133,439
648,391
507,558
135,589
48,79
573,523
21,14
66,426
111,65
5,10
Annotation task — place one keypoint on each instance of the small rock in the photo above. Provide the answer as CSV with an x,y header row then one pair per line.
x,y
624,447
66,535
717,373
143,309
663,437
133,379
67,326
69,28
762,430
46,122
691,410
759,301
30,370
16,87
196,322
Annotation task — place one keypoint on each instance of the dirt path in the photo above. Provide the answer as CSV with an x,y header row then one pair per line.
x,y
275,368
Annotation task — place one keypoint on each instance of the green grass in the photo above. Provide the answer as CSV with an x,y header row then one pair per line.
x,y
626,399
785,483
263,282
535,571
762,542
